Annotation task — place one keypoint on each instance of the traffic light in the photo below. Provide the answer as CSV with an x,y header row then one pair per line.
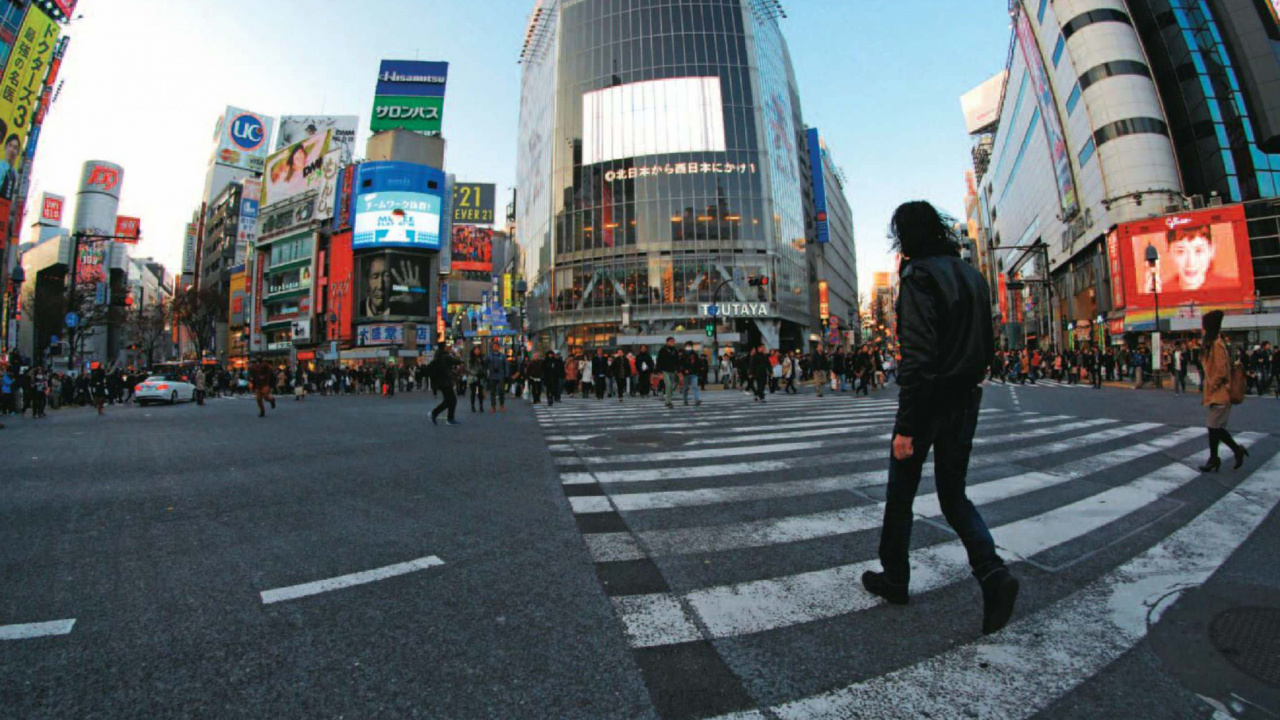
x,y
762,281
711,329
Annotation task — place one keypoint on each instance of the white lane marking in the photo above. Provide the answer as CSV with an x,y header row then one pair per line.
x,y
1020,671
294,592
711,412
670,419
791,433
26,631
773,603
762,466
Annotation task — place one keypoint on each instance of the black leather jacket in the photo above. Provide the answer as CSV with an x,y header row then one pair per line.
x,y
945,335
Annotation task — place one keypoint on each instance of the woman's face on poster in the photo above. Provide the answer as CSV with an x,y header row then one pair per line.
x,y
1193,257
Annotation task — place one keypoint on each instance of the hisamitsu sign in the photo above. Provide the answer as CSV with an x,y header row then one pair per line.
x,y
412,78
745,310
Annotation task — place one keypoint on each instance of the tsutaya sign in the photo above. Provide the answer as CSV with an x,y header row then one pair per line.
x,y
748,310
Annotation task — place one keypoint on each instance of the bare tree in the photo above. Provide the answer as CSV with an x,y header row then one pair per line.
x,y
200,311
90,315
150,328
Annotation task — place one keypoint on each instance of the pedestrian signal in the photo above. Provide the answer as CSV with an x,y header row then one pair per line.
x,y
762,281
711,329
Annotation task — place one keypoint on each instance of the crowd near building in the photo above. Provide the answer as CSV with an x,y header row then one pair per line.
x,y
1127,172
668,185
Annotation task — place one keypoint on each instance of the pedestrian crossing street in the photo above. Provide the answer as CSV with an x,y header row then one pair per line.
x,y
731,539
1042,383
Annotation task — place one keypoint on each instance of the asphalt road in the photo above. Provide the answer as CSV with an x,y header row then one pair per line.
x,y
344,558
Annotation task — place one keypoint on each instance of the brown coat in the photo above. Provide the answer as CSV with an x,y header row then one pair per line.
x,y
1217,375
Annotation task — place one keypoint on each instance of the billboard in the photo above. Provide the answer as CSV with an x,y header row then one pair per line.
x,y
341,272
397,219
1204,259
819,186
345,198
295,169
189,250
419,114
24,74
653,117
412,78
51,207
473,203
242,139
128,229
296,128
1049,111
393,285
471,248
98,198
330,173
981,105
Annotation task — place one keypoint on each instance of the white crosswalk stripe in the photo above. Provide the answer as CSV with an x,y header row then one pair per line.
x,y
737,521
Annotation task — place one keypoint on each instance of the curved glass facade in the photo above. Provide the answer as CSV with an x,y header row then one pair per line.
x,y
659,157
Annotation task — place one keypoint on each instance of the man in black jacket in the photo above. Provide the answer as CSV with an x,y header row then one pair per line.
x,y
600,373
761,369
644,370
820,365
553,372
946,339
669,365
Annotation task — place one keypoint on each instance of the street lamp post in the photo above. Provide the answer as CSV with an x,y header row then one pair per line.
x,y
1153,268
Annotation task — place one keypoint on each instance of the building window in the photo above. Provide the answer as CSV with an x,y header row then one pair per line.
x,y
1057,50
1087,152
1084,20
1073,99
1040,14
1130,126
1017,162
1112,69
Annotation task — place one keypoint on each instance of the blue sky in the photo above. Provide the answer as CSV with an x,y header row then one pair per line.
x,y
147,79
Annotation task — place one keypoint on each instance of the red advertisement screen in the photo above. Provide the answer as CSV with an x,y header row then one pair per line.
x,y
472,248
1203,258
341,295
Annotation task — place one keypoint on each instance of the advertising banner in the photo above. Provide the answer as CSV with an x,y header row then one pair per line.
x,y
1204,258
92,265
341,276
296,128
51,209
24,75
259,288
473,203
128,229
346,196
390,334
472,248
981,105
397,219
393,285
419,114
1002,286
330,172
819,186
189,250
506,290
238,292
1117,270
242,139
295,169
412,78
247,234
824,300
1049,111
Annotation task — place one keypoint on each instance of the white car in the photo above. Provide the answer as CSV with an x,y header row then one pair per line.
x,y
164,388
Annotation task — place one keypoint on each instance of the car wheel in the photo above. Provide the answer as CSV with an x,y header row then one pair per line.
x,y
173,399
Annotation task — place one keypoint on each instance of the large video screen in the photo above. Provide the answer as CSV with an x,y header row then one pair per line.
x,y
655,117
472,248
1203,258
397,219
393,285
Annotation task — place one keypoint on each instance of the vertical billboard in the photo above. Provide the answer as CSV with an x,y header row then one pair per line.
x,y
98,198
409,96
330,170
819,187
471,248
189,249
24,75
296,128
1204,259
242,139
341,300
247,234
1049,111
51,208
295,169
393,285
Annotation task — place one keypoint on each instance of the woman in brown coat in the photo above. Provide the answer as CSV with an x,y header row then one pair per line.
x,y
1217,394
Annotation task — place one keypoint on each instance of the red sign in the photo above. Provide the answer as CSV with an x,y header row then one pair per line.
x,y
52,210
1002,290
1202,257
341,271
1116,327
66,6
1117,271
128,229
104,177
824,300
472,248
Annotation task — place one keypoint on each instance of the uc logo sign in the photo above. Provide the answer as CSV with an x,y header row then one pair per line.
x,y
248,132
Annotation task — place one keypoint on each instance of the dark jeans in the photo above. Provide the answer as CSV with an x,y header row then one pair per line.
x,y
449,403
950,434
553,390
601,385
497,394
477,390
646,383
1180,381
761,384
535,390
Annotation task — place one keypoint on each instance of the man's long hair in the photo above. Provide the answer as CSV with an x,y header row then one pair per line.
x,y
918,230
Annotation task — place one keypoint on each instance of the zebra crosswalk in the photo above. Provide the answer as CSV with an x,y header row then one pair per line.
x,y
731,539
1043,383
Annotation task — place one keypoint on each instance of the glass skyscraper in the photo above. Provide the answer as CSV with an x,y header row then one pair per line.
x,y
659,160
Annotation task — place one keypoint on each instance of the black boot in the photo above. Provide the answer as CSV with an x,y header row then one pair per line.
x,y
877,584
1241,454
1214,465
999,593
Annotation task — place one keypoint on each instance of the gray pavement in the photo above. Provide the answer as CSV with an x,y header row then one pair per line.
x,y
619,560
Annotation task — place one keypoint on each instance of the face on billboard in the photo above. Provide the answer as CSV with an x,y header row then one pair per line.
x,y
394,285
1202,258
296,128
397,219
471,248
295,169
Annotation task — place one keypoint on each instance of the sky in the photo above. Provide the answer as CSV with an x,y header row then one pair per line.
x,y
145,82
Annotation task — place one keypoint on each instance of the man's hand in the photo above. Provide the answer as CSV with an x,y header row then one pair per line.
x,y
903,448
408,276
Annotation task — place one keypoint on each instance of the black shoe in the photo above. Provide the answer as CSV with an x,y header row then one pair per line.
x,y
273,403
877,584
262,413
1214,465
1241,454
999,593
452,422
433,420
